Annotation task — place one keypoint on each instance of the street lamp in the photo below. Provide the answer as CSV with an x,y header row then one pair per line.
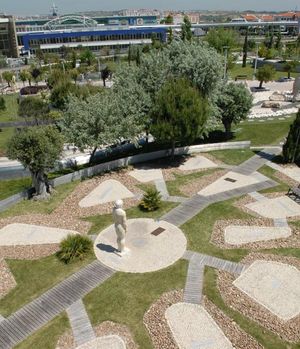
x,y
256,58
226,59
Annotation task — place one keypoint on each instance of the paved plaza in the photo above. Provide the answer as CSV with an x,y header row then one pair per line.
x,y
230,181
27,234
276,286
108,191
152,245
192,327
281,207
107,342
237,235
197,163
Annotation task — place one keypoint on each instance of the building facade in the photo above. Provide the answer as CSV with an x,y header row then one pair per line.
x,y
8,38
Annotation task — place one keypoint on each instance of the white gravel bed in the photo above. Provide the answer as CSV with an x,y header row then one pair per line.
x,y
146,252
146,175
7,280
197,163
193,327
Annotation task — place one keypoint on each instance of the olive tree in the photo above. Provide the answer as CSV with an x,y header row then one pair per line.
x,y
265,73
234,102
37,148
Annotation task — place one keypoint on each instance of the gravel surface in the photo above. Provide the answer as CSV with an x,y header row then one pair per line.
x,y
7,280
217,236
30,252
233,297
107,328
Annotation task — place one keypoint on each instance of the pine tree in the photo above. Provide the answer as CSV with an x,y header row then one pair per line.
x,y
291,148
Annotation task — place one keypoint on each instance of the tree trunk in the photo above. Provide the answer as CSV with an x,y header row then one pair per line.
x,y
289,74
227,126
104,83
173,149
260,85
41,185
245,51
93,155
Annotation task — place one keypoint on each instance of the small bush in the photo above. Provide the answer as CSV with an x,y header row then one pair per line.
x,y
74,247
151,200
2,104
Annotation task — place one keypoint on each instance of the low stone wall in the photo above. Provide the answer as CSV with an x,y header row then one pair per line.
x,y
130,160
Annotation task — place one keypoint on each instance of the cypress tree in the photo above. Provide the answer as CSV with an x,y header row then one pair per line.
x,y
291,148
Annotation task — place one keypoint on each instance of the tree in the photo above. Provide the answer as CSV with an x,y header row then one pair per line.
x,y
291,148
37,148
24,76
170,35
100,120
245,49
36,74
179,113
8,77
234,102
87,57
105,73
74,73
265,74
289,66
220,38
33,108
169,20
186,29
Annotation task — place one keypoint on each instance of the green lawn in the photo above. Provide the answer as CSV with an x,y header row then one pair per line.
x,y
126,297
265,337
11,111
181,179
249,71
13,186
270,172
45,207
262,133
233,156
36,277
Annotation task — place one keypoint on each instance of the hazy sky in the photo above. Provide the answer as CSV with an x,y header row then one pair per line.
x,y
68,6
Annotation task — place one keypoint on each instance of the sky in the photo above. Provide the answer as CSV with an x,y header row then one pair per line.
x,y
32,7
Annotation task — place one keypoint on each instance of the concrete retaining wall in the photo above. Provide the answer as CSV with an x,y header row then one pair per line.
x,y
131,160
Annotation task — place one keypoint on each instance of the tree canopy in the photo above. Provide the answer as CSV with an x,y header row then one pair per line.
x,y
220,38
265,73
291,148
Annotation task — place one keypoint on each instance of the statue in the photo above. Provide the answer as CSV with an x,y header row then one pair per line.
x,y
119,216
296,90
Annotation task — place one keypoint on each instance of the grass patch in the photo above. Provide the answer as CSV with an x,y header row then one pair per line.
x,y
233,156
11,112
259,132
265,337
34,277
48,335
270,172
5,136
13,186
100,222
126,297
182,179
44,207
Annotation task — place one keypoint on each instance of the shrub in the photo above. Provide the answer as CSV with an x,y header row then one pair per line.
x,y
74,247
151,200
2,104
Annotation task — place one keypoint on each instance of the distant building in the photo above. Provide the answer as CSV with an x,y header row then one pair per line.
x,y
287,16
8,38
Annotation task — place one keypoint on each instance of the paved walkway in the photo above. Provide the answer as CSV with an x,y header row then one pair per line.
x,y
194,280
191,207
80,323
38,313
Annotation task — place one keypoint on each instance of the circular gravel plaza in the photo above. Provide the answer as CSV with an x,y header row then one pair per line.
x,y
152,245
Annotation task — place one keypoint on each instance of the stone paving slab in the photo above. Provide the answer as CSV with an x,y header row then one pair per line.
x,y
197,163
193,328
27,234
146,175
274,285
107,342
238,235
230,181
281,207
292,172
108,191
147,252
